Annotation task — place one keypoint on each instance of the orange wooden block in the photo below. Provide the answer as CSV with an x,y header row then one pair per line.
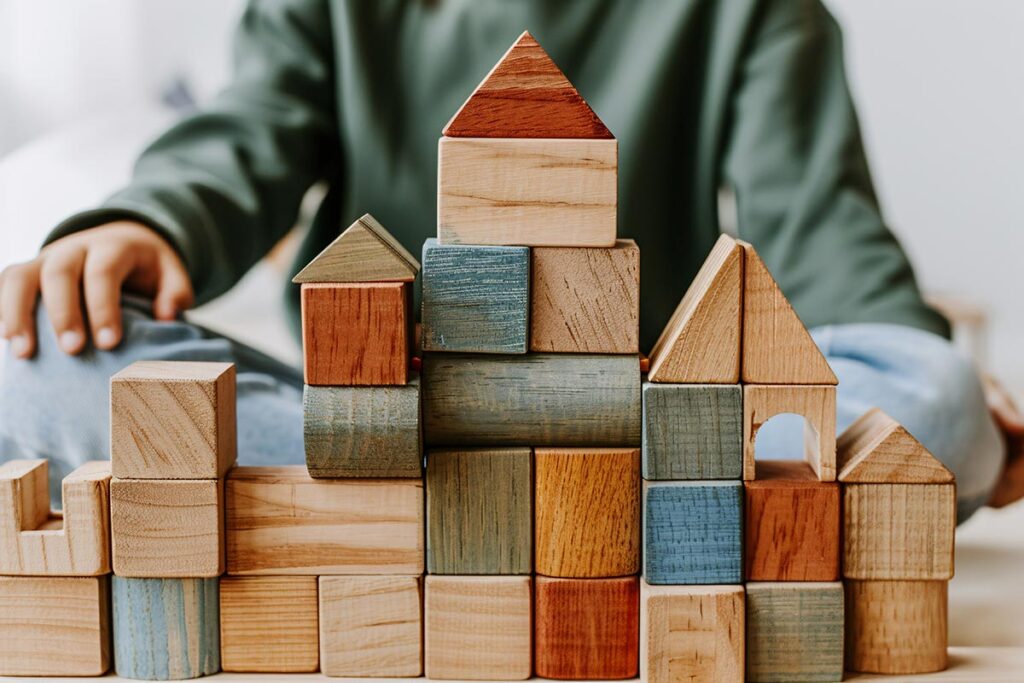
x,y
357,333
587,628
792,524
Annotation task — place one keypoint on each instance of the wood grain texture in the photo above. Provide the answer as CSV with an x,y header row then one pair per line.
x,y
359,432
364,252
701,343
794,632
692,633
172,420
269,624
532,193
166,629
280,522
792,524
371,626
587,628
692,431
37,541
898,531
585,300
479,507
356,333
815,403
876,449
587,512
526,95
897,627
54,626
167,529
478,627
475,298
531,400
693,532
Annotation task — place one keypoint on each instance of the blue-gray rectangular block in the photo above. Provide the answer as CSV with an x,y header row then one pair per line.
x,y
693,532
476,299
692,431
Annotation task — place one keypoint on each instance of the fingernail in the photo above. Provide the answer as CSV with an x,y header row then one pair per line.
x,y
106,337
70,341
20,345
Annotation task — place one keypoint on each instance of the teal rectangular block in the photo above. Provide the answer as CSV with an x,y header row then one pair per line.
x,y
476,299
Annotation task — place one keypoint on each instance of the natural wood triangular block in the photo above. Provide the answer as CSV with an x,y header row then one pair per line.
x,y
877,449
365,252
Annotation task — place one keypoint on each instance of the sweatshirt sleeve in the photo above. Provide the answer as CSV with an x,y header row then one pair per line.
x,y
795,160
225,184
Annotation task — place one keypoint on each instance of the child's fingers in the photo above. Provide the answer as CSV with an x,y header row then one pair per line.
x,y
17,307
61,282
104,275
174,289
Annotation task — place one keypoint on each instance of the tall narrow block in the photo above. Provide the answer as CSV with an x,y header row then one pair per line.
x,y
815,403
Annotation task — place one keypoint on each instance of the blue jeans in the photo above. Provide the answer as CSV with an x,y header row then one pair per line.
x,y
57,406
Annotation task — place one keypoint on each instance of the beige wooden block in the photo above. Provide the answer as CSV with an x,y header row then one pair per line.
x,y
364,252
172,420
371,626
815,403
876,449
269,624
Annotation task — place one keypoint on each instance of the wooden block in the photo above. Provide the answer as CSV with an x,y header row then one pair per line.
x,y
587,628
876,449
587,512
794,632
792,524
356,334
777,348
54,626
166,629
37,541
172,420
815,403
701,343
280,522
479,507
692,431
475,298
371,626
527,192
691,633
478,627
896,627
532,400
898,531
585,300
693,532
269,624
364,252
167,529
363,431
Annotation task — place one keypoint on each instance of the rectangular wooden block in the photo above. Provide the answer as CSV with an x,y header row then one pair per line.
x,y
693,532
587,512
476,299
172,420
792,524
531,400
167,529
585,300
357,432
479,505
529,192
356,334
478,627
269,624
816,403
54,626
587,628
371,626
691,633
280,522
692,431
794,632
899,531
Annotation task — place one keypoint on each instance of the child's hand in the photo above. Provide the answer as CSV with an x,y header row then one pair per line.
x,y
1011,422
81,277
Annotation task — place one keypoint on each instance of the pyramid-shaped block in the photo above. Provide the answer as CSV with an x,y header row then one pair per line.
x,y
364,252
877,449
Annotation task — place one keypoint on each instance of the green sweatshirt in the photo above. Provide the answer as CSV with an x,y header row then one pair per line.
x,y
701,94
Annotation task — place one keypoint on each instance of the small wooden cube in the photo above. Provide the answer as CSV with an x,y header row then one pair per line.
x,y
269,624
172,420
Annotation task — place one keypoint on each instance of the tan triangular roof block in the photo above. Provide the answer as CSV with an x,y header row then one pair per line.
x,y
365,252
526,95
876,449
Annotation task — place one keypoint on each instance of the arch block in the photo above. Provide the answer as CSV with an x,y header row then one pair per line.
x,y
815,403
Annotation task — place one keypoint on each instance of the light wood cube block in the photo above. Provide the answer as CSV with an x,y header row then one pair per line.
x,y
269,624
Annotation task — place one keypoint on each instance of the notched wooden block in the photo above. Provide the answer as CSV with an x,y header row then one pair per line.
x,y
815,403
269,624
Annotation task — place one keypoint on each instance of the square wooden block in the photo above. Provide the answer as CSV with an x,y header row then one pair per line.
x,y
816,403
269,624
172,420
